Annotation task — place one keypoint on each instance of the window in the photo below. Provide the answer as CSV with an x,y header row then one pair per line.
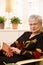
x,y
20,8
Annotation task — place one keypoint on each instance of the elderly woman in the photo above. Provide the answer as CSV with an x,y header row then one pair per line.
x,y
28,46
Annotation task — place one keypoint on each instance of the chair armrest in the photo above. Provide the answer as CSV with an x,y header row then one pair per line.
x,y
28,61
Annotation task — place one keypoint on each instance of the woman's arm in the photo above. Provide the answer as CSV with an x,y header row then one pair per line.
x,y
19,40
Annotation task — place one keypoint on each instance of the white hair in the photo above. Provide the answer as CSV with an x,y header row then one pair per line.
x,y
37,18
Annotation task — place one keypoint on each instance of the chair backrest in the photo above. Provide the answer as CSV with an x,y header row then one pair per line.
x,y
42,29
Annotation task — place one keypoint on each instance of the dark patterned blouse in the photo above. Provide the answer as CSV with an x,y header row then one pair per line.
x,y
30,47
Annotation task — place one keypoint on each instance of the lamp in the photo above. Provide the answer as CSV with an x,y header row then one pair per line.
x,y
8,10
8,6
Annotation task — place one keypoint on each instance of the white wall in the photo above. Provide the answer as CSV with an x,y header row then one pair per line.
x,y
9,36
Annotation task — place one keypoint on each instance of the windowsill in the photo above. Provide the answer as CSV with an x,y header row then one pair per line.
x,y
11,30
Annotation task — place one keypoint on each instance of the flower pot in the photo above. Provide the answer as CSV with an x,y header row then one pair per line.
x,y
1,25
14,26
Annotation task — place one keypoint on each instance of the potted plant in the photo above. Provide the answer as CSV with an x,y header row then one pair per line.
x,y
15,21
2,20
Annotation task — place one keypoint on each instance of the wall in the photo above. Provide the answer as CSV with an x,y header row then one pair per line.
x,y
10,36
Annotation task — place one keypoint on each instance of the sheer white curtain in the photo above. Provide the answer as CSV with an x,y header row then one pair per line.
x,y
16,10
9,8
21,8
2,7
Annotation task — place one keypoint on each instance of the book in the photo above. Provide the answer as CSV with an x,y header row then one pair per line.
x,y
5,47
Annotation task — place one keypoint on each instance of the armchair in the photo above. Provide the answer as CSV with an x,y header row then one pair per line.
x,y
40,62
29,61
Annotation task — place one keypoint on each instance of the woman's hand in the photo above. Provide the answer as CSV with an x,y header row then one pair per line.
x,y
15,50
8,53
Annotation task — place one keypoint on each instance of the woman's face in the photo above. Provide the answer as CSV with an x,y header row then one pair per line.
x,y
35,26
